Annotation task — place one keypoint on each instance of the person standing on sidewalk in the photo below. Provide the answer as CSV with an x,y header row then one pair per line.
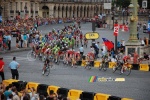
x,y
2,68
9,41
14,65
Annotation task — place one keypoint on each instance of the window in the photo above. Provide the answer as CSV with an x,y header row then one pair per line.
x,y
16,6
10,5
21,6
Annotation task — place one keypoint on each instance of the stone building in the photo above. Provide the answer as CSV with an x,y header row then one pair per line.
x,y
53,8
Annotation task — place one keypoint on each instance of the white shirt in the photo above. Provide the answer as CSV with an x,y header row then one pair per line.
x,y
123,43
142,42
92,50
113,60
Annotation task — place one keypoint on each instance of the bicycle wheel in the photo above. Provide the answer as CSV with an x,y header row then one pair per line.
x,y
47,71
105,66
100,67
114,68
127,71
88,67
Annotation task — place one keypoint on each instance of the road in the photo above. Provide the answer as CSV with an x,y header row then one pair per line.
x,y
135,86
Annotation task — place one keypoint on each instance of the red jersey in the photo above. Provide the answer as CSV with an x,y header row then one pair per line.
x,y
1,64
70,52
81,36
77,54
126,57
90,54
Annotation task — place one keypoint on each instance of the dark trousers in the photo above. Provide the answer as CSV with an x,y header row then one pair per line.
x,y
21,43
15,74
2,75
9,45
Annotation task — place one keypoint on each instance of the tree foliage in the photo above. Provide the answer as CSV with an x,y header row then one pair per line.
x,y
122,3
126,3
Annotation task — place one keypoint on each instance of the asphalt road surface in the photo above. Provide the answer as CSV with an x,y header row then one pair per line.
x,y
136,86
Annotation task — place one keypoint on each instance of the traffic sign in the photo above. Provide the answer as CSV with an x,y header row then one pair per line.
x,y
91,35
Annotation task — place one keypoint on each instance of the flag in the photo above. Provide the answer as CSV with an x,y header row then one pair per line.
x,y
108,44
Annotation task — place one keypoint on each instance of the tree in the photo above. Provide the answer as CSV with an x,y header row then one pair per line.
x,y
122,3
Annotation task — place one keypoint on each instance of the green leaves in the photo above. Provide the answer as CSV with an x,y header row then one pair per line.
x,y
122,3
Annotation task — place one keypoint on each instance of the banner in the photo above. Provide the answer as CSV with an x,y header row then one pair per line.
x,y
116,30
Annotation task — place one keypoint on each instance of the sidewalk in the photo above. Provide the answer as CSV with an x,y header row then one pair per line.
x,y
14,49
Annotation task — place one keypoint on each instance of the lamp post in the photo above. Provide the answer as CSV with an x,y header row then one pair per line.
x,y
133,44
116,37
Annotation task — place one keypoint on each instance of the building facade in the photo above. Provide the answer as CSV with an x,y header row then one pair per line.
x,y
53,8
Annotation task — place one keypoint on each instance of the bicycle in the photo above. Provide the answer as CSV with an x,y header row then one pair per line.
x,y
46,71
126,69
88,64
104,65
117,66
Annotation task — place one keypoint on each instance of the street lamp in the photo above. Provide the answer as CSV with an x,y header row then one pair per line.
x,y
116,40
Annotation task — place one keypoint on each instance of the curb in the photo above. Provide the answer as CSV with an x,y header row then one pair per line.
x,y
15,50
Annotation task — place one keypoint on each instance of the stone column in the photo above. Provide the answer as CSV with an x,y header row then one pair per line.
x,y
28,9
13,8
133,44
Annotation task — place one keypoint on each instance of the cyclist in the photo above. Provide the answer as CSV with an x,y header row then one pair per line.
x,y
125,61
46,64
89,58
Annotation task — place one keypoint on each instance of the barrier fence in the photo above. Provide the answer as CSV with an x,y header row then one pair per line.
x,y
96,64
72,94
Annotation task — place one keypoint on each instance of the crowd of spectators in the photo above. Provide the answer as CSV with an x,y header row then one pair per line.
x,y
10,93
22,28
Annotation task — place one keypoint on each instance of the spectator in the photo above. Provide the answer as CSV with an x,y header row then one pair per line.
x,y
8,91
2,69
42,97
33,94
17,42
2,96
1,42
10,97
145,40
14,68
142,42
9,41
135,58
15,94
26,97
25,38
52,94
21,40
